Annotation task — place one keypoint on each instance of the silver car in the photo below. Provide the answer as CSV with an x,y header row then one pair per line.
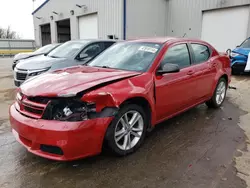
x,y
69,54
41,51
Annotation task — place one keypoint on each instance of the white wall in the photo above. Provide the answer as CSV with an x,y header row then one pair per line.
x,y
185,16
218,30
146,18
110,17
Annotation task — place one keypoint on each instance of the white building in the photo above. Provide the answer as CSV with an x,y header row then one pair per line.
x,y
61,20
223,23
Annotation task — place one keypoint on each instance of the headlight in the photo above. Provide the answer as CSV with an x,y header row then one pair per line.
x,y
69,110
233,54
38,72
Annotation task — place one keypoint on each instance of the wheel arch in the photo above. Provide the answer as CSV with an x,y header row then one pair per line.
x,y
225,76
145,104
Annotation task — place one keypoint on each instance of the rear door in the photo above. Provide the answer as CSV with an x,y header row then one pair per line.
x,y
205,69
175,91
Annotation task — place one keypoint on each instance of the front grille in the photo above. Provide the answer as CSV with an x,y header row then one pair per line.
x,y
31,108
51,149
21,76
41,100
239,65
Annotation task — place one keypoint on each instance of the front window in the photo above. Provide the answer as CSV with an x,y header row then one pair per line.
x,y
245,44
129,56
68,49
92,50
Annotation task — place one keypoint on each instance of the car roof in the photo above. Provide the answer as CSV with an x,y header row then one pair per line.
x,y
94,40
163,40
153,40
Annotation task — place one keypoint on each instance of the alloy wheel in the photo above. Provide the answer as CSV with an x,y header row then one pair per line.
x,y
220,93
128,130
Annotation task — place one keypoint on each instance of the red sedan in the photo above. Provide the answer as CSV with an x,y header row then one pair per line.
x,y
118,97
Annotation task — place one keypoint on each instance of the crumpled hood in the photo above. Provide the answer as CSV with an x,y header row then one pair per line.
x,y
38,62
242,51
72,81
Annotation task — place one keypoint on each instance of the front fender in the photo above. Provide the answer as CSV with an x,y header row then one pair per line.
x,y
115,94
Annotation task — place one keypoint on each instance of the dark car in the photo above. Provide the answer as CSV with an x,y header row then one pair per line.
x,y
69,54
43,50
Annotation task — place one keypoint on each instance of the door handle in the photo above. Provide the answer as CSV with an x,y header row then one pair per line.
x,y
191,72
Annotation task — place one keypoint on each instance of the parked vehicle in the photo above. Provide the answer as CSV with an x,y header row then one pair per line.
x,y
41,51
239,57
117,97
68,54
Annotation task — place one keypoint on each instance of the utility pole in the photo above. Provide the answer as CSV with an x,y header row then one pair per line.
x,y
33,4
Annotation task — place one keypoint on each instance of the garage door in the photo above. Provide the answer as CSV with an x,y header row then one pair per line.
x,y
225,28
88,26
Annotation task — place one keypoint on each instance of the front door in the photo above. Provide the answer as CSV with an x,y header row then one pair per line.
x,y
175,91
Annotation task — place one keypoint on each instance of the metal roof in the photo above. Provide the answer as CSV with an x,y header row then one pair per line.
x,y
45,2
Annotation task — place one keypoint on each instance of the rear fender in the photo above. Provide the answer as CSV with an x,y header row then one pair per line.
x,y
223,69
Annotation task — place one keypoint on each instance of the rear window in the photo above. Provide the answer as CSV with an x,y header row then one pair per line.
x,y
178,55
201,53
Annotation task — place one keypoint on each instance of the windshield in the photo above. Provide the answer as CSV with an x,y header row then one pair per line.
x,y
128,56
46,49
68,49
245,44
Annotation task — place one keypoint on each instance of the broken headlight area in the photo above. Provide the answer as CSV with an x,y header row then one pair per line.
x,y
68,110
73,110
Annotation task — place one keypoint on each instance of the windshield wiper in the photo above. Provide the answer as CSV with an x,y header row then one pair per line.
x,y
105,67
53,56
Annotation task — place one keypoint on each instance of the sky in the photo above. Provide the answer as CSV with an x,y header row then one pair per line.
x,y
17,15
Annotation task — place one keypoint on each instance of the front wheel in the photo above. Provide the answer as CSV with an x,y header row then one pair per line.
x,y
127,131
219,94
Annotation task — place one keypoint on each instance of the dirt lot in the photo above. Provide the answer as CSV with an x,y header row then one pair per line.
x,y
200,148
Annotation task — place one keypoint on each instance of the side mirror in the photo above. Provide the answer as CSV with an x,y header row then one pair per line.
x,y
168,68
82,56
237,46
228,52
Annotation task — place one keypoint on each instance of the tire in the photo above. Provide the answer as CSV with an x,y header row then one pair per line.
x,y
117,129
214,102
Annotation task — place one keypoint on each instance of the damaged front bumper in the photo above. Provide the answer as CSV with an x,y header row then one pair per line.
x,y
59,140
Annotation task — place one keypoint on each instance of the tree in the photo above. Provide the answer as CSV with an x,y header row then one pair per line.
x,y
2,33
8,33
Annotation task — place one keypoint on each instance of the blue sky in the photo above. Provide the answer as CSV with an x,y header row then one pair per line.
x,y
17,15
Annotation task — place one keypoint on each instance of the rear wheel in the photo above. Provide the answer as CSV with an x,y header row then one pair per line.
x,y
219,94
127,131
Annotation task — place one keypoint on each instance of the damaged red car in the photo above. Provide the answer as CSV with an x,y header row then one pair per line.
x,y
118,97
